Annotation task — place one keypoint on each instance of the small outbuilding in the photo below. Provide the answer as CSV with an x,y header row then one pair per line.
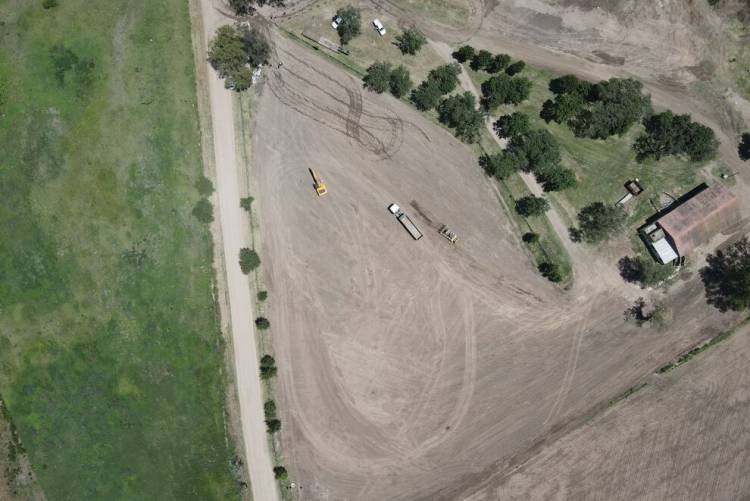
x,y
691,221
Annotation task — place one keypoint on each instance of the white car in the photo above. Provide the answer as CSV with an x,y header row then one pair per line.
x,y
336,22
378,26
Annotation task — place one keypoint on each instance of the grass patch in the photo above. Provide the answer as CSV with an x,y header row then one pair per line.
x,y
111,361
366,48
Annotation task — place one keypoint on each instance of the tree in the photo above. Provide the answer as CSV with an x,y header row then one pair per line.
x,y
426,96
744,148
567,106
515,124
548,112
502,89
410,41
464,54
532,206
557,178
249,260
269,409
246,7
499,165
446,76
598,221
246,202
273,425
204,186
262,323
646,272
378,77
267,367
726,277
669,134
551,271
459,113
256,46
540,149
399,81
351,21
262,295
498,63
564,84
530,237
204,211
617,104
481,60
280,473
515,68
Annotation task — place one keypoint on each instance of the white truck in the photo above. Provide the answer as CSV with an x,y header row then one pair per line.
x,y
405,221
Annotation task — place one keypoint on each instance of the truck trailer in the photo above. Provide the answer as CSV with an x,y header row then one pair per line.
x,y
405,221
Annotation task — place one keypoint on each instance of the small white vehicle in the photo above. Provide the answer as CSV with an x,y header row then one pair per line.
x,y
378,27
336,22
394,208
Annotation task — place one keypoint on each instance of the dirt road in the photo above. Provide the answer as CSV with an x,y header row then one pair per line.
x,y
233,224
414,370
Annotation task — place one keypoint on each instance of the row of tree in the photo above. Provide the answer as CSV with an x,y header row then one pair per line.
x,y
669,134
383,76
484,60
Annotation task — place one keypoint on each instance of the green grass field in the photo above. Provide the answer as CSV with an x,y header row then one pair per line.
x,y
110,353
603,166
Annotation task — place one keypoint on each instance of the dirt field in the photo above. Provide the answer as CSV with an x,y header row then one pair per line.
x,y
684,437
416,370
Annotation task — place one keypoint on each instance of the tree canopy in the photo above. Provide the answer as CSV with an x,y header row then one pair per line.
x,y
459,112
539,147
499,63
378,77
532,205
427,95
669,134
597,221
499,165
726,277
744,148
399,81
502,89
351,23
410,41
232,49
464,54
515,124
481,60
245,7
249,260
515,68
446,77
646,272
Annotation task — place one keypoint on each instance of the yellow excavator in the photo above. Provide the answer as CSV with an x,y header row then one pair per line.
x,y
320,186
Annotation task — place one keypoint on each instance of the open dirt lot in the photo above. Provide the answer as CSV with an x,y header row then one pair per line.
x,y
416,370
684,437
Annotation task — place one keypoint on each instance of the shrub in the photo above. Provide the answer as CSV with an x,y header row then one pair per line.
x,y
267,367
262,323
262,295
464,53
204,186
646,272
515,68
48,4
598,222
249,260
378,77
446,77
500,165
515,124
246,203
551,271
280,473
530,237
410,41
350,25
273,425
427,95
204,211
269,409
458,112
532,206
399,81
481,60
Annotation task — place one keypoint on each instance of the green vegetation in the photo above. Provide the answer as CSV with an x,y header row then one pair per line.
x,y
743,150
613,106
459,112
280,473
644,270
246,203
247,7
267,367
440,81
551,271
204,211
499,165
481,60
232,49
446,77
204,186
410,41
727,277
658,316
686,357
597,221
111,357
514,68
463,54
515,124
532,205
530,237
378,77
351,23
668,134
262,295
249,260
502,89
400,81
262,323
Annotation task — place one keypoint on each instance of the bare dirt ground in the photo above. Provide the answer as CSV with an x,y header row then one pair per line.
x,y
416,370
684,437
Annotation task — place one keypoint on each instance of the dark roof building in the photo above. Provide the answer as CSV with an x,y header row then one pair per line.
x,y
692,221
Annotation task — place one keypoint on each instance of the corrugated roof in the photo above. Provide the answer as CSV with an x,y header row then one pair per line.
x,y
699,218
665,251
